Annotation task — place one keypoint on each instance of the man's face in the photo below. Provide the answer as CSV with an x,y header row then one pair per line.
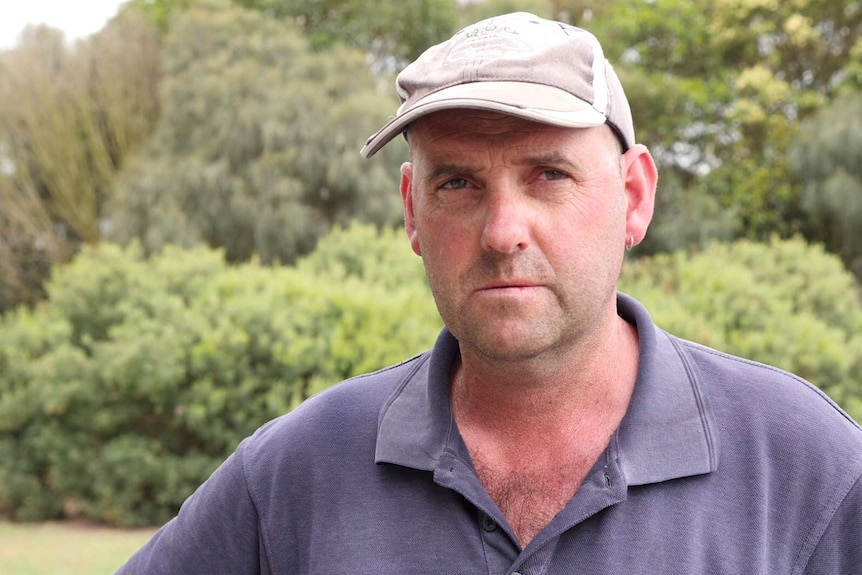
x,y
521,227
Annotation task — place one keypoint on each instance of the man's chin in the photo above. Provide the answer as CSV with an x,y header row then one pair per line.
x,y
508,344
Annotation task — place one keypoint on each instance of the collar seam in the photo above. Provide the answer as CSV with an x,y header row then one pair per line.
x,y
693,375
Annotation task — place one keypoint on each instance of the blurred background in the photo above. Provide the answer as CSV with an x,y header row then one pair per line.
x,y
190,243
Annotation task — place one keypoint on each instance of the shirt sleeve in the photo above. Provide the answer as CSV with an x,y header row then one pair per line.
x,y
839,550
216,531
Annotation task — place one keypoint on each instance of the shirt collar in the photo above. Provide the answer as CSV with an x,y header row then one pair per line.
x,y
667,433
416,425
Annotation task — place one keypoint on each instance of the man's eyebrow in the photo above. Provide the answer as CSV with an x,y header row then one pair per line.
x,y
448,169
443,170
551,159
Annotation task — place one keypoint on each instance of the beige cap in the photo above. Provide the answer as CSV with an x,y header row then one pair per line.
x,y
518,64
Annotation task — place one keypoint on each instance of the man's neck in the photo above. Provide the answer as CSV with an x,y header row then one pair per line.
x,y
533,441
597,377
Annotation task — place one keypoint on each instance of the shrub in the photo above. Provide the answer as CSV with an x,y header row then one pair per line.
x,y
122,392
786,303
128,387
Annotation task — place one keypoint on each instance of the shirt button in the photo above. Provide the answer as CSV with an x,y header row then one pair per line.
x,y
488,523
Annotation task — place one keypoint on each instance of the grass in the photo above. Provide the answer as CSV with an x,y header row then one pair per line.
x,y
72,548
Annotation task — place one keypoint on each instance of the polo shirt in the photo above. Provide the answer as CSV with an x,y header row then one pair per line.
x,y
720,465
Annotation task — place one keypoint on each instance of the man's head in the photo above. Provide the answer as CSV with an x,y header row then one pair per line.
x,y
520,65
516,196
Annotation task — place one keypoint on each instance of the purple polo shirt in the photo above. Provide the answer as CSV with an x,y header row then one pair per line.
x,y
721,465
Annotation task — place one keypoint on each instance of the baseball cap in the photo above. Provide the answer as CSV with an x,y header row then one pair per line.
x,y
518,64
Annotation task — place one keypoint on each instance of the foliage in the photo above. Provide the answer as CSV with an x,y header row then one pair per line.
x,y
576,12
785,303
829,162
366,254
160,13
472,12
718,90
68,118
138,377
686,217
389,30
256,149
120,394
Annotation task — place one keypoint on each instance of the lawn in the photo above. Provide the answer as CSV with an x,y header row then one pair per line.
x,y
66,548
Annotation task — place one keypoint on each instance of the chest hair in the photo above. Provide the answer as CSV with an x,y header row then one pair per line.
x,y
531,496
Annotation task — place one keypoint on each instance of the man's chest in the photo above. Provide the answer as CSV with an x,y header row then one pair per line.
x,y
529,494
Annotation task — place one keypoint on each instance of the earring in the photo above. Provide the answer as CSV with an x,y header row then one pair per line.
x,y
630,241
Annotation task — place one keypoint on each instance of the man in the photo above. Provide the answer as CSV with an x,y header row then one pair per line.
x,y
553,428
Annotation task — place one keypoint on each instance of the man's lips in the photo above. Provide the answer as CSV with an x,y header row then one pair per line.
x,y
510,285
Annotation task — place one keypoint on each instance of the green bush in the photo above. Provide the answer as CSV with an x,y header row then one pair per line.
x,y
122,392
786,303
138,377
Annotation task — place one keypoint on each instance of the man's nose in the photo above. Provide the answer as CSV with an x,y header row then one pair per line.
x,y
507,224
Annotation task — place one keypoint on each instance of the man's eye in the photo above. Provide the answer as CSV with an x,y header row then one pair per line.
x,y
455,184
552,174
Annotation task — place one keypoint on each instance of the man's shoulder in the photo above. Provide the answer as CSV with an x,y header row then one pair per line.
x,y
771,400
788,445
343,417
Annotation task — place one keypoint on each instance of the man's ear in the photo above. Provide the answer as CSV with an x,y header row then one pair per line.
x,y
641,179
407,200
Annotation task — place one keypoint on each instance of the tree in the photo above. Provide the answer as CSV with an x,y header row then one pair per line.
x,y
474,11
828,160
575,12
718,90
256,149
68,118
121,393
157,12
389,30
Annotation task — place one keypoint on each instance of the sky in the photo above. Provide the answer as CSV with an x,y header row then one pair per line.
x,y
77,18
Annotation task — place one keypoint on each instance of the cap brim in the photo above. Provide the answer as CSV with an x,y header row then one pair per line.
x,y
537,102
